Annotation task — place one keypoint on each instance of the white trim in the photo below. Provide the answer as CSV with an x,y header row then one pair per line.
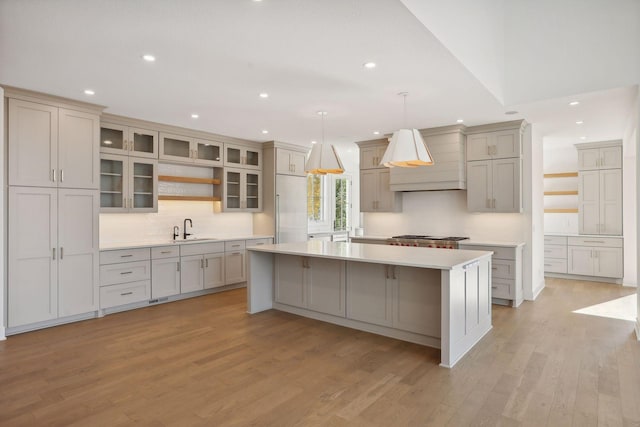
x,y
2,334
611,280
638,328
537,291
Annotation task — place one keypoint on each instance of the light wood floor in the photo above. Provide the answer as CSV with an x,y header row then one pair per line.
x,y
205,362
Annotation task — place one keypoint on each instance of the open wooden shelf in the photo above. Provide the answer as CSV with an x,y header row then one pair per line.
x,y
190,198
188,179
561,193
561,175
561,210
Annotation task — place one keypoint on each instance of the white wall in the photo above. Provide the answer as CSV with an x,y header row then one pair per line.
x,y
124,228
2,209
533,206
560,158
473,31
629,199
602,38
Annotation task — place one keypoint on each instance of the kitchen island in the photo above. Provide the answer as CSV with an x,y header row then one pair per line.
x,y
435,297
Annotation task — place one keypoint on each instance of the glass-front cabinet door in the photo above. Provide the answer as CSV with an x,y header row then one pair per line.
x,y
232,190
120,139
113,138
240,156
143,185
113,183
143,143
208,152
177,148
253,191
242,190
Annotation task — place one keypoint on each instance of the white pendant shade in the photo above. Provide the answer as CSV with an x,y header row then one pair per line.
x,y
407,149
323,159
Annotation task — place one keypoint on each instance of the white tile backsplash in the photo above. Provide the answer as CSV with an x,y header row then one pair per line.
x,y
124,228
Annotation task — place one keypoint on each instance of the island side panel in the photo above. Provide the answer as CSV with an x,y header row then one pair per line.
x,y
259,281
466,309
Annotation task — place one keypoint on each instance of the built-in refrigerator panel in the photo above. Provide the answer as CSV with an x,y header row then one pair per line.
x,y
291,209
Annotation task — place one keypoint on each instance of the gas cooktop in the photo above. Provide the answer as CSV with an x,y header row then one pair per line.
x,y
450,242
422,237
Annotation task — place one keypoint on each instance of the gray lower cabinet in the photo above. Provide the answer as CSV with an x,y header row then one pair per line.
x,y
394,296
506,271
166,277
125,277
316,284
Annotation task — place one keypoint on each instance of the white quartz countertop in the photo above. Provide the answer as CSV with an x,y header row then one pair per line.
x,y
589,236
440,259
497,243
168,242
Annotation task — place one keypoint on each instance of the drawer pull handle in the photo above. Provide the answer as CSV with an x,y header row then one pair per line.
x,y
259,244
126,293
235,253
126,256
494,268
548,265
593,241
494,287
165,252
126,272
235,246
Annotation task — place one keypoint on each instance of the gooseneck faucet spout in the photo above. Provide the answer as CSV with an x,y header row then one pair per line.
x,y
176,232
184,228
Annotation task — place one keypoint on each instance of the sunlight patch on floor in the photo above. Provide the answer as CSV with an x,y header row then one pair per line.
x,y
625,308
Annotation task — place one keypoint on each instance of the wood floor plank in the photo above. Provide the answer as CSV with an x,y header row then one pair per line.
x,y
205,361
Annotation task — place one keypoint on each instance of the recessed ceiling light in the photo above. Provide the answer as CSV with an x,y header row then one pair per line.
x,y
459,121
265,131
574,103
89,92
579,122
148,57
375,132
511,112
369,65
313,142
583,138
264,95
107,142
195,116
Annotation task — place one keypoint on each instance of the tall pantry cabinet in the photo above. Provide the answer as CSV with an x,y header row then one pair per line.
x,y
53,206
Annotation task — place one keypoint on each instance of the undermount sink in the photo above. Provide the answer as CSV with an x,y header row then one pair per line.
x,y
194,239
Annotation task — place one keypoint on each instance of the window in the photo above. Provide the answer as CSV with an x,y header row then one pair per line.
x,y
315,198
342,203
328,202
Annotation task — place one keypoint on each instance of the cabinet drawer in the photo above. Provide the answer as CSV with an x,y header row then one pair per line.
x,y
258,242
555,265
165,252
609,242
551,251
555,240
201,248
113,274
501,289
503,269
499,252
234,245
127,293
124,255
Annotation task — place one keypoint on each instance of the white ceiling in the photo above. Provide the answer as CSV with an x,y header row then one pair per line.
x,y
215,57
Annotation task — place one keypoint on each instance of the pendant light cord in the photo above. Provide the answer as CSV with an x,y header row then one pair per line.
x,y
404,109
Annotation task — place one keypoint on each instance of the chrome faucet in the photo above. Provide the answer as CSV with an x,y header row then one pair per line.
x,y
176,232
184,228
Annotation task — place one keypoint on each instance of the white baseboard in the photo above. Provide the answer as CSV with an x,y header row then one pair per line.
x,y
2,335
638,328
536,291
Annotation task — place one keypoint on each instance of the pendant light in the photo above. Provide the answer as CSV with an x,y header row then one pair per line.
x,y
323,158
407,148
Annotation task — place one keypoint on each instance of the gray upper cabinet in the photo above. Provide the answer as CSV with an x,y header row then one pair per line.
x,y
127,140
243,156
185,149
51,146
500,144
